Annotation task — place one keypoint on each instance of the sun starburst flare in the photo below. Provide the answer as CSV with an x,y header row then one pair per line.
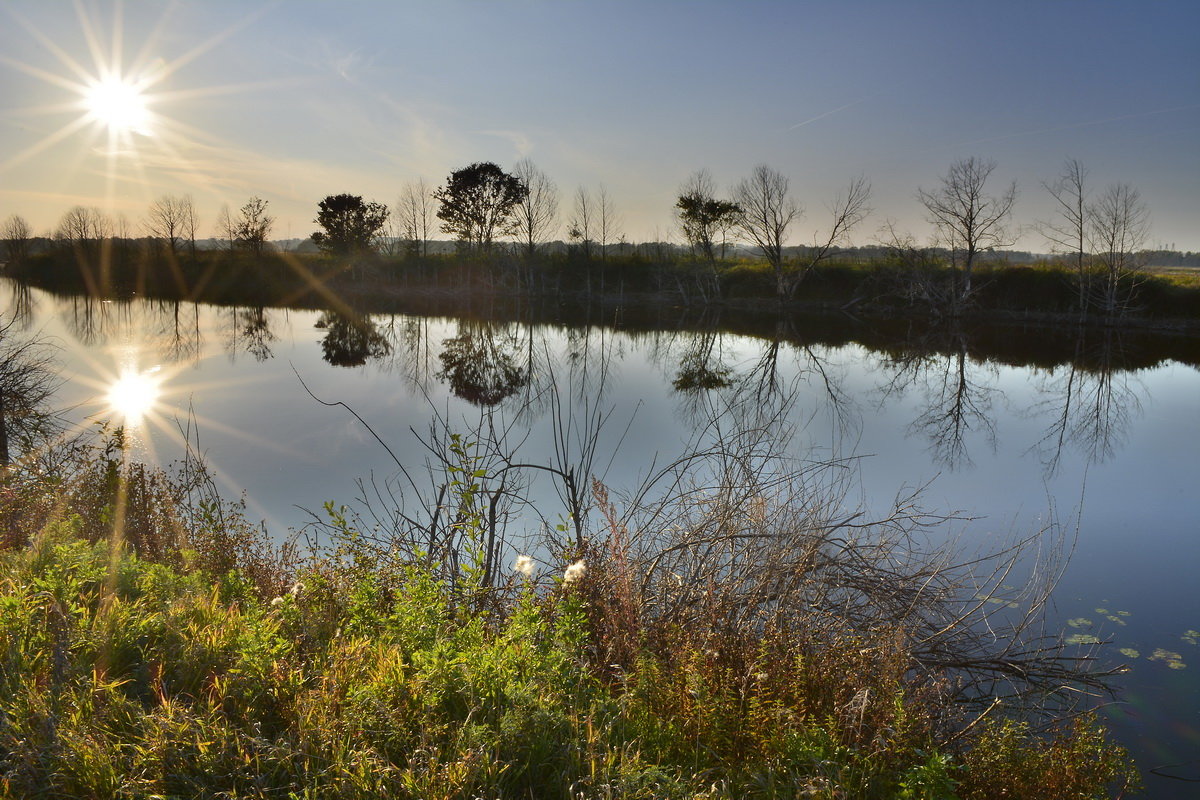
x,y
120,105
134,394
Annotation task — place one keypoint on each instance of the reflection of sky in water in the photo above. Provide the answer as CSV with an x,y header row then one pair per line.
x,y
1135,503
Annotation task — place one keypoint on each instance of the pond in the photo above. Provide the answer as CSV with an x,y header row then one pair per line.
x,y
1016,428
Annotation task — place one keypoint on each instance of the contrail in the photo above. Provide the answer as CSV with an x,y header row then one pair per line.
x,y
826,114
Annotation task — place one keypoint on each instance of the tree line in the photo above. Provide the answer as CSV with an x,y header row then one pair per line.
x,y
482,206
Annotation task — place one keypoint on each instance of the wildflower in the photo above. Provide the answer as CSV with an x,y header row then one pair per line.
x,y
297,588
524,565
575,572
278,601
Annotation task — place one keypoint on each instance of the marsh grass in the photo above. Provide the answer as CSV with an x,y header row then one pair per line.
x,y
732,642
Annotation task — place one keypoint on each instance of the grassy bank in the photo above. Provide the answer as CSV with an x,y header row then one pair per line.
x,y
881,287
157,645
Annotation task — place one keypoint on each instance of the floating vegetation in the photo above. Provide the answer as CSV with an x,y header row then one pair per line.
x,y
997,601
1113,616
1129,652
1191,637
1080,622
1171,659
1082,638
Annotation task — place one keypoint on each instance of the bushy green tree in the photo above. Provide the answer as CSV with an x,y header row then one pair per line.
x,y
350,224
477,203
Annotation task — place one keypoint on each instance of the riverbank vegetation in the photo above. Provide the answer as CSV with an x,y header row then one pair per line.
x,y
729,629
870,283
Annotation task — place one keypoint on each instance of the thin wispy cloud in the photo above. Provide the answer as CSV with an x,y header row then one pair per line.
x,y
829,113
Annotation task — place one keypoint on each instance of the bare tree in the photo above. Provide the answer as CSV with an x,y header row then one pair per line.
x,y
1119,224
190,223
414,217
537,214
16,234
1067,232
767,212
85,232
968,220
583,221
169,220
607,220
227,227
846,211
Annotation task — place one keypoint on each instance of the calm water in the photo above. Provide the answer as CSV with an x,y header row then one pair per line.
x,y
1110,453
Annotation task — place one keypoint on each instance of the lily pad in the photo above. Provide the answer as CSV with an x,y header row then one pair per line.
x,y
1129,652
1082,638
1172,659
1080,622
1191,637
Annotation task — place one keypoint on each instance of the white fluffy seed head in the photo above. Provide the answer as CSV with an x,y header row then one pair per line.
x,y
524,565
575,572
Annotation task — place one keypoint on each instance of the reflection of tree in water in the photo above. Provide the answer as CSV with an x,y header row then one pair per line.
x,y
1092,402
770,389
28,379
256,333
249,331
179,330
591,353
351,340
955,402
483,365
20,307
702,367
93,319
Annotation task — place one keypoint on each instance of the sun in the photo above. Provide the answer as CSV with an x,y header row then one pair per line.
x,y
118,104
134,395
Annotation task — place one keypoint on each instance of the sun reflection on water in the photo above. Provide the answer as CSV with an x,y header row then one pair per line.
x,y
134,394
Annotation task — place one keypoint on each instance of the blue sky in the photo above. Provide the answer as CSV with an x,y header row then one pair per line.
x,y
295,100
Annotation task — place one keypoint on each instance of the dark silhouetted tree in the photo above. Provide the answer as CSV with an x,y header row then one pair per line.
x,y
968,220
252,226
350,225
477,204
172,220
767,212
15,235
706,222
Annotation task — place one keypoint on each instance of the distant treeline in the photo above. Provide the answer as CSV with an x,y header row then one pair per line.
x,y
1151,258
